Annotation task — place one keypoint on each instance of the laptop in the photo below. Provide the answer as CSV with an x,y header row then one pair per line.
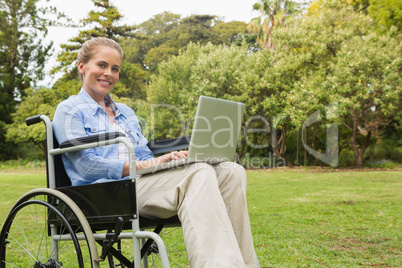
x,y
214,137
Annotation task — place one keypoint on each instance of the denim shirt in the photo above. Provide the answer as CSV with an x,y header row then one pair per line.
x,y
81,116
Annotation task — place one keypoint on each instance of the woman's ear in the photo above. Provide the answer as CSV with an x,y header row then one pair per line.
x,y
81,67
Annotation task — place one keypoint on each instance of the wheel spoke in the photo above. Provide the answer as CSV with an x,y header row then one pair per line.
x,y
23,249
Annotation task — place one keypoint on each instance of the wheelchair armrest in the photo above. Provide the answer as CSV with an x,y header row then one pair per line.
x,y
90,139
92,142
168,145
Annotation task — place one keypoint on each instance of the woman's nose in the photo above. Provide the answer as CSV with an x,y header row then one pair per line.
x,y
108,72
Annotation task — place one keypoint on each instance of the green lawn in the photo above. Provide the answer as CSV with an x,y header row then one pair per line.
x,y
304,218
333,219
13,185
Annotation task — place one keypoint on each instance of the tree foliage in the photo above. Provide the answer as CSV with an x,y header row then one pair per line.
x,y
338,59
222,72
386,13
22,54
199,70
165,34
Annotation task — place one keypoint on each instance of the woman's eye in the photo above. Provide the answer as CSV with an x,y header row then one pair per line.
x,y
115,69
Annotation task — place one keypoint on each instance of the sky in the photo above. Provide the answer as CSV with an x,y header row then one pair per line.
x,y
136,12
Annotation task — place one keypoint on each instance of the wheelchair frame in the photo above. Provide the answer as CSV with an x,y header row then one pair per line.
x,y
88,208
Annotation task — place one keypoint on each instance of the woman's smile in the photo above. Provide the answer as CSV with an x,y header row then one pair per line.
x,y
105,82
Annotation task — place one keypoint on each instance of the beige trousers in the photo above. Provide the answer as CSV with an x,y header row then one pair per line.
x,y
211,204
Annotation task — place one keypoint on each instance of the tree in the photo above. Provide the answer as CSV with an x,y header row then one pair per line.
x,y
337,59
367,73
358,5
273,13
194,28
132,82
151,33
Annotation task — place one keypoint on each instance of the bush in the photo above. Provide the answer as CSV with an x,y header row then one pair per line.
x,y
381,164
22,164
346,158
384,150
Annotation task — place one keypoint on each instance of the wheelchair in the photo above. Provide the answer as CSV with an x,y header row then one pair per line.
x,y
83,226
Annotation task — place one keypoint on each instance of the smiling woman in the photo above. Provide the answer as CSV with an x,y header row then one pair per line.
x,y
178,191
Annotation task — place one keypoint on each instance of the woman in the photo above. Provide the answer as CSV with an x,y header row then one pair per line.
x,y
210,201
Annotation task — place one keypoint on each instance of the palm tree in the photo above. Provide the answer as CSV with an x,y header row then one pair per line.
x,y
273,13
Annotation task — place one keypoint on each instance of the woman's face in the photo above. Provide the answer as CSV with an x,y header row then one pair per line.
x,y
101,72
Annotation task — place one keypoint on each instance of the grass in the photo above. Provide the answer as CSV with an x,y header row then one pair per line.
x,y
332,219
303,218
13,185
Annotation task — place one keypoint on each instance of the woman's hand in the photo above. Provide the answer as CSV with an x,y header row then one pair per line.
x,y
156,161
170,157
161,159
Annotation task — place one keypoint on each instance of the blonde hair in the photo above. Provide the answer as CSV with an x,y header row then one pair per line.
x,y
88,49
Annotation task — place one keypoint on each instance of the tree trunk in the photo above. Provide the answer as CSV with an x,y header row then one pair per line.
x,y
353,143
359,160
240,154
279,147
305,142
359,153
297,147
312,146
283,147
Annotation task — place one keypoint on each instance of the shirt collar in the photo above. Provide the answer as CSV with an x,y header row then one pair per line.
x,y
95,106
109,102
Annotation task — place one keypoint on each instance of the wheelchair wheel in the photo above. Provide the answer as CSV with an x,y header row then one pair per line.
x,y
43,230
